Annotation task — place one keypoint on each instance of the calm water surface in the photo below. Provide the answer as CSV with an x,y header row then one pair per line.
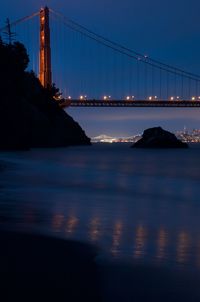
x,y
138,205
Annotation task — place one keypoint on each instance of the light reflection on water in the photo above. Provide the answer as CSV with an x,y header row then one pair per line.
x,y
182,247
141,205
140,240
117,234
71,224
162,243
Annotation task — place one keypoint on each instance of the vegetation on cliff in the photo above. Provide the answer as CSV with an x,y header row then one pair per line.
x,y
29,116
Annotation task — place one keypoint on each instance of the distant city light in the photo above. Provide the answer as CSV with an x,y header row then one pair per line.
x,y
184,135
171,98
128,98
150,98
193,98
69,97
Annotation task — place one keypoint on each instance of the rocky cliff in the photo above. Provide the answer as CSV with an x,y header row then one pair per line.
x,y
29,116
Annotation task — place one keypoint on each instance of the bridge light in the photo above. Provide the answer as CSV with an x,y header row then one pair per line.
x,y
150,98
105,97
193,98
128,98
81,97
171,98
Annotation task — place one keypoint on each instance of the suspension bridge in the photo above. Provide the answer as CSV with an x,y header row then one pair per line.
x,y
92,71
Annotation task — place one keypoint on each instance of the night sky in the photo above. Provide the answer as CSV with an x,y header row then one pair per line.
x,y
165,30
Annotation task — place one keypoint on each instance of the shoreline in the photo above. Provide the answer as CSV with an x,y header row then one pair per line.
x,y
38,267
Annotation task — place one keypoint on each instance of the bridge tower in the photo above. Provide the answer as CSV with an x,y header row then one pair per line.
x,y
45,74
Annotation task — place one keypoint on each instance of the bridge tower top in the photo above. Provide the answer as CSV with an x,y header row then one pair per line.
x,y
45,73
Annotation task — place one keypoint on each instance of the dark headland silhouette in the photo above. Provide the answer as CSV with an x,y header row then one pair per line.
x,y
158,138
29,116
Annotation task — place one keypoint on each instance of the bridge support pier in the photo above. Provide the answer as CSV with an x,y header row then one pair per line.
x,y
45,74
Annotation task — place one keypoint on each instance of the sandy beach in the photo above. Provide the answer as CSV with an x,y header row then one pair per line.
x,y
40,268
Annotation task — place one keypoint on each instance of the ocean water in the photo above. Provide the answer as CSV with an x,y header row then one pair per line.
x,y
141,206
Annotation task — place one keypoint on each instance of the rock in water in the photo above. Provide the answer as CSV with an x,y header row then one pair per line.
x,y
158,138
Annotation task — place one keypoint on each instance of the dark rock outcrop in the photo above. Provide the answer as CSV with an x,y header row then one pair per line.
x,y
159,138
29,115
24,126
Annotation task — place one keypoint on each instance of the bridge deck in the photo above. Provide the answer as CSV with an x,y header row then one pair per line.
x,y
124,103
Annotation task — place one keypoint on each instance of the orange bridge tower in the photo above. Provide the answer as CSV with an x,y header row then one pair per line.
x,y
45,74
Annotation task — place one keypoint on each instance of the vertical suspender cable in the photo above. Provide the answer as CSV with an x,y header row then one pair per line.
x,y
138,78
160,81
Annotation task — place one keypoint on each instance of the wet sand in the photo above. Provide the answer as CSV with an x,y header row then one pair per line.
x,y
40,268
125,282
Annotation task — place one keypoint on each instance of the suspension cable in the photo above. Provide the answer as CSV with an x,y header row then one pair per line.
x,y
128,54
144,58
20,20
